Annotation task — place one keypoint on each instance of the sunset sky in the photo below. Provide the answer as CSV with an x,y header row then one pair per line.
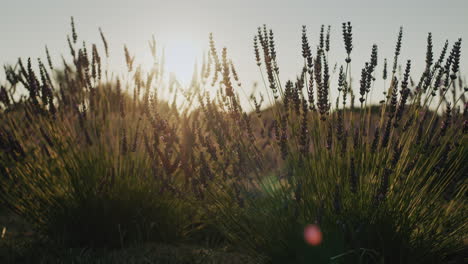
x,y
182,27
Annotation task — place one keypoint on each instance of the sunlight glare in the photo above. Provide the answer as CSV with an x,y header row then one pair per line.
x,y
180,59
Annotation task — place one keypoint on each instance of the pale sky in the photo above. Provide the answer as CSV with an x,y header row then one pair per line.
x,y
183,28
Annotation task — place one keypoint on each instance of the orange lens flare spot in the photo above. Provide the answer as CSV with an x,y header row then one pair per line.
x,y
312,235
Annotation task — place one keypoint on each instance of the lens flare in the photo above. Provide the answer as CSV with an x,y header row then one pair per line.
x,y
312,235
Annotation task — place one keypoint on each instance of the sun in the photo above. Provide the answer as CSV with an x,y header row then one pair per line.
x,y
180,60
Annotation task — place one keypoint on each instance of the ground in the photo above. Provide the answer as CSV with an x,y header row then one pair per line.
x,y
18,245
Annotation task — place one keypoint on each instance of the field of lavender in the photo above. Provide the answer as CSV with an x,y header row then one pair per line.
x,y
102,167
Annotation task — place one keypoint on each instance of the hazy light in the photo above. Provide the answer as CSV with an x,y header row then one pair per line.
x,y
180,58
